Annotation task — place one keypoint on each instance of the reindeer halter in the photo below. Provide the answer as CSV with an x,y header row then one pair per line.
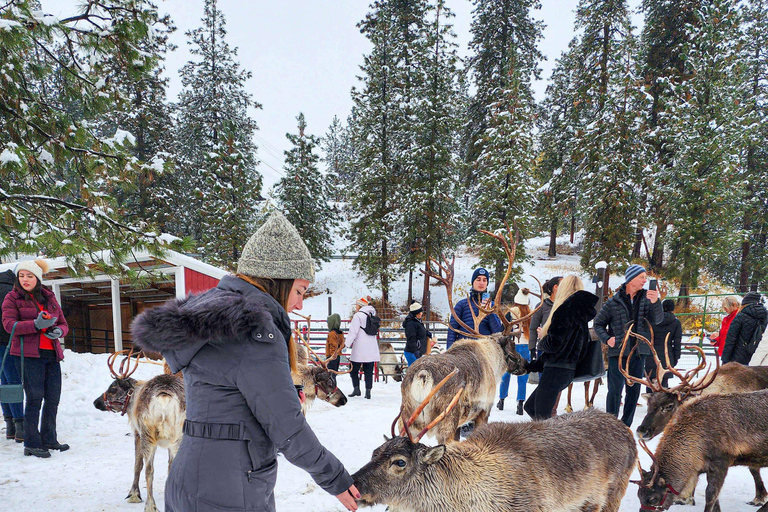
x,y
123,373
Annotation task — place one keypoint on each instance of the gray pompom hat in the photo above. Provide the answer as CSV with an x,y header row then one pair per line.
x,y
276,251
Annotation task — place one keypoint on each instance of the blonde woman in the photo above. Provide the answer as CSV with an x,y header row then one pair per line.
x,y
731,307
563,342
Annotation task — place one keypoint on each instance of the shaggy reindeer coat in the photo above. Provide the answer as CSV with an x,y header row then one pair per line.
x,y
242,406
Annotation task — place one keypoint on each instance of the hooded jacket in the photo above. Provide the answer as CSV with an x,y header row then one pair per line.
x,y
567,338
416,335
242,406
490,324
669,326
335,337
617,313
7,279
741,332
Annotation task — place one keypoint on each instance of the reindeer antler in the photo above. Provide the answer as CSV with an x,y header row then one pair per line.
x,y
125,370
451,405
447,268
322,362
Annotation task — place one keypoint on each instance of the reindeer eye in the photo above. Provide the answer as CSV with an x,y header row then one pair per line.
x,y
399,463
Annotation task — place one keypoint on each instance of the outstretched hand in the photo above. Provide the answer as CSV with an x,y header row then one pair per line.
x,y
347,498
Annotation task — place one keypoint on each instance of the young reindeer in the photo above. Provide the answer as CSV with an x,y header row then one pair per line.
x,y
480,360
558,465
317,379
156,411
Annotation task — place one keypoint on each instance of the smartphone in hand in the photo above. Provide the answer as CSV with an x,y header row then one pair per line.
x,y
486,296
652,284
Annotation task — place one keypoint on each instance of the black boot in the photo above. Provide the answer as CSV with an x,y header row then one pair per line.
x,y
355,392
520,407
368,393
500,405
57,446
37,452
10,427
19,430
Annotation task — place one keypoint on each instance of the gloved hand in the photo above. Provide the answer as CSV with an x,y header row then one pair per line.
x,y
43,323
54,333
534,366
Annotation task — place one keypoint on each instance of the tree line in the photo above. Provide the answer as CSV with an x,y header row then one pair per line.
x,y
650,144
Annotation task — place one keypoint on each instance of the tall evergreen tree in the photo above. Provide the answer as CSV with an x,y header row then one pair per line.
x,y
338,156
303,194
215,146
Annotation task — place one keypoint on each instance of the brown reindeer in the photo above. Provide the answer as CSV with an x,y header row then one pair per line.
x,y
316,379
156,411
391,365
557,465
481,361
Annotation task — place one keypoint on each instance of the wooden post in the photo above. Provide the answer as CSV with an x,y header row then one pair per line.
x,y
117,319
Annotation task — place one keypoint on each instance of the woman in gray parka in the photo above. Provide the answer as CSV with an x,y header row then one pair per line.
x,y
234,345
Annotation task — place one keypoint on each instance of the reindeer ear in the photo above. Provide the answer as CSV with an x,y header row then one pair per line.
x,y
647,396
386,439
432,455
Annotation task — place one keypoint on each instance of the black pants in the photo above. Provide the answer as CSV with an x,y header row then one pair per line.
x,y
367,370
552,381
42,381
651,370
334,365
617,383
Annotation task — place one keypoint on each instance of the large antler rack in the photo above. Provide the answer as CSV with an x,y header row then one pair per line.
x,y
406,424
125,370
318,360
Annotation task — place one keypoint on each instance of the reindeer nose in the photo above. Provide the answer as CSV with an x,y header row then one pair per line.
x,y
342,401
99,404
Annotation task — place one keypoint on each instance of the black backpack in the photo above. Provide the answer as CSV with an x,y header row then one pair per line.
x,y
372,323
756,339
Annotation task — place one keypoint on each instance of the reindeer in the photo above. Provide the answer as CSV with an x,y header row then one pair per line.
x,y
707,435
589,401
481,360
156,411
557,465
390,365
317,380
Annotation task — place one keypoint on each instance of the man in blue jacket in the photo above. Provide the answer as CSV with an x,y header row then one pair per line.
x,y
477,295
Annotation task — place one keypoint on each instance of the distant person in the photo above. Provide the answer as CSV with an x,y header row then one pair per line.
x,y
334,341
731,307
416,334
539,318
630,304
365,347
520,309
13,414
749,323
478,294
41,323
564,342
669,326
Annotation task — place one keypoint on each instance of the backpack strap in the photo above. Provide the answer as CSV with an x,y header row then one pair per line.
x,y
8,349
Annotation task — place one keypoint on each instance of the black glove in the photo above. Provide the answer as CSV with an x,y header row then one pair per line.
x,y
534,366
44,323
54,333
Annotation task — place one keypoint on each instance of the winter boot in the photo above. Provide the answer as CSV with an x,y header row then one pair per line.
x,y
500,405
10,427
368,393
355,392
19,430
519,407
37,452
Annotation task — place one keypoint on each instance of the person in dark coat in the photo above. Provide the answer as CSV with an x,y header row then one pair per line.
x,y
234,346
751,317
40,322
631,303
489,325
416,334
563,343
334,341
669,326
539,318
13,414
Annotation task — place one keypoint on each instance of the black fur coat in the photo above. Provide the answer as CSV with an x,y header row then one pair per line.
x,y
566,340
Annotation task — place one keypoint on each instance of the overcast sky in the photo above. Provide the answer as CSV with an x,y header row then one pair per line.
x,y
305,56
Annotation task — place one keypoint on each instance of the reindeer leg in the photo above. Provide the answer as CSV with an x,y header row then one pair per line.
x,y
596,385
715,479
760,492
148,449
134,495
568,407
587,405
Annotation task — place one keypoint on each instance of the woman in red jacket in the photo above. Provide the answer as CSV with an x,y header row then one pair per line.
x,y
731,308
40,322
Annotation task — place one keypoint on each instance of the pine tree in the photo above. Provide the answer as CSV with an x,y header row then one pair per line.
x,y
56,169
215,147
337,147
303,194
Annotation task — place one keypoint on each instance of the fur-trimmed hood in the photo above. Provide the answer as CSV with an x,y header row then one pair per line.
x,y
235,311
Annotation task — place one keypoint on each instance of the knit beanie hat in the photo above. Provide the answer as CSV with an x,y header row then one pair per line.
x,y
668,305
415,308
632,272
751,298
522,298
479,272
362,302
276,251
37,267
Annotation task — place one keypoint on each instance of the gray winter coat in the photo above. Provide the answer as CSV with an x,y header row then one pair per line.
x,y
538,319
242,406
613,318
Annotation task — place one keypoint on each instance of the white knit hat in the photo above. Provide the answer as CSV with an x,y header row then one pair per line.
x,y
415,307
522,298
37,267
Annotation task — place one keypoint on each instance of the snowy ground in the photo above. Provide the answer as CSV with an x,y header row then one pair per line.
x,y
96,473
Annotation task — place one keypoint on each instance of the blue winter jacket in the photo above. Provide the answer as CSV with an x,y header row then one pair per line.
x,y
489,325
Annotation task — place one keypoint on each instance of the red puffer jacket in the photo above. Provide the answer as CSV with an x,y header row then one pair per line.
x,y
18,307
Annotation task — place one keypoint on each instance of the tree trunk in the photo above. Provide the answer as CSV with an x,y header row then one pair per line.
x,y
410,285
637,248
425,302
573,226
657,257
684,292
384,276
552,252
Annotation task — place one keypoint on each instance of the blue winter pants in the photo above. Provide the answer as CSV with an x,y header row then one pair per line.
x,y
42,381
617,383
10,375
522,380
410,357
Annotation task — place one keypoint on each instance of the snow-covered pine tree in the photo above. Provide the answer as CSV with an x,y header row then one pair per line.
x,y
303,194
338,154
56,169
504,61
216,184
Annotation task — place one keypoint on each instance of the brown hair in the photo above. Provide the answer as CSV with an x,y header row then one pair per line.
x,y
524,310
36,293
280,290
